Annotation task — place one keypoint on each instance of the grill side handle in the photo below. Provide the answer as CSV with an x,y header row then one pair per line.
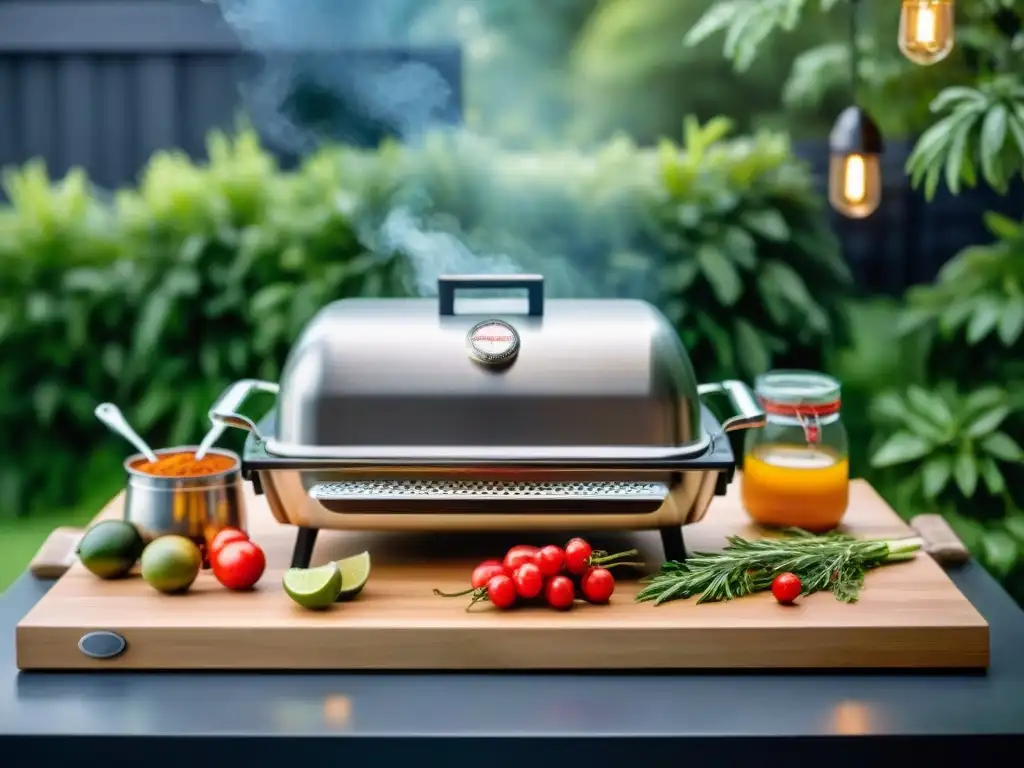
x,y
447,285
224,411
749,412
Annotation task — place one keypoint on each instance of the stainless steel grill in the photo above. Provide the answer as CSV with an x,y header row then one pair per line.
x,y
488,413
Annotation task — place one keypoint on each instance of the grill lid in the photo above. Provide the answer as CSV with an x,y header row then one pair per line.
x,y
405,380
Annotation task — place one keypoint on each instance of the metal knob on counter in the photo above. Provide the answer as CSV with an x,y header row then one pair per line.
x,y
102,645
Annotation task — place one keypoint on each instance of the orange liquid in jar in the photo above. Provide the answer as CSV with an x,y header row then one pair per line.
x,y
801,486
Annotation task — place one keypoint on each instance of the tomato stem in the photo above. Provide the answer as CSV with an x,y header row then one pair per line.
x,y
612,565
601,558
463,593
478,598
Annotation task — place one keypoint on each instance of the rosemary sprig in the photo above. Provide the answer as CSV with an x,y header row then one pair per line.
x,y
834,562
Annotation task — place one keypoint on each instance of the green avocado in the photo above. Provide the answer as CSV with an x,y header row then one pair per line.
x,y
171,563
111,548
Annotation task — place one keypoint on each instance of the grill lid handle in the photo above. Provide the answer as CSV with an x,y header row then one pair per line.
x,y
447,285
749,412
222,413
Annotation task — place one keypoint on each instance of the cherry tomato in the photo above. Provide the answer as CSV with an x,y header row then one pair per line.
x,y
238,564
560,592
222,537
524,548
517,556
597,585
550,559
501,591
484,572
577,556
529,580
786,587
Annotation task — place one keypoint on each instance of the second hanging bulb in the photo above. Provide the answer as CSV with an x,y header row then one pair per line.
x,y
855,172
927,30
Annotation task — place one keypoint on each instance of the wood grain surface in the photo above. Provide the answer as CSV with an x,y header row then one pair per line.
x,y
910,615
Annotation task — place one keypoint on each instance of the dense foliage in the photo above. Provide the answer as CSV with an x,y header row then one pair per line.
x,y
944,388
952,435
790,62
975,129
158,297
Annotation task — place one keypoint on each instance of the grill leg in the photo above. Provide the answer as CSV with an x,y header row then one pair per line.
x,y
305,540
672,543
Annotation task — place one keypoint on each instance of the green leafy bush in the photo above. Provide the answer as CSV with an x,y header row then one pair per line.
x,y
758,274
642,65
981,135
977,303
940,377
873,358
158,297
951,441
955,440
979,92
62,320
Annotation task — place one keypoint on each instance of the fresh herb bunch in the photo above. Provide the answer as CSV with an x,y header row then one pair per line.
x,y
833,562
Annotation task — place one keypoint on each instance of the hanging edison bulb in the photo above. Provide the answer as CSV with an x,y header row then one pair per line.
x,y
927,30
855,168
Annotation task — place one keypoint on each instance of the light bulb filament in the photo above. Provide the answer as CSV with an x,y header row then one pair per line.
x,y
927,30
855,179
924,30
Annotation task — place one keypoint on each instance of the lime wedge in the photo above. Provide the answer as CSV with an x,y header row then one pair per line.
x,y
313,588
355,572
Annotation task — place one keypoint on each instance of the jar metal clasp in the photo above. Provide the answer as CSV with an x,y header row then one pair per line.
x,y
811,425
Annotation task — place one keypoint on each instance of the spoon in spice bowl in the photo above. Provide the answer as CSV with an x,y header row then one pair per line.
x,y
229,400
111,415
209,439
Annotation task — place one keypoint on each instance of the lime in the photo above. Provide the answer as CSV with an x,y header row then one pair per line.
x,y
355,572
313,588
110,548
171,563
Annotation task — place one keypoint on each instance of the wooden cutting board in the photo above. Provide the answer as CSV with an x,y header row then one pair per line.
x,y
910,615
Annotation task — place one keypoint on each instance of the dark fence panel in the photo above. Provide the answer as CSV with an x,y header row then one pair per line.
x,y
104,83
908,239
109,112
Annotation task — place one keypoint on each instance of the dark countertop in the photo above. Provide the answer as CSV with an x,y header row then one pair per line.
x,y
451,720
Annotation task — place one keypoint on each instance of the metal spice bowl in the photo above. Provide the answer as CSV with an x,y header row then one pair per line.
x,y
406,414
186,506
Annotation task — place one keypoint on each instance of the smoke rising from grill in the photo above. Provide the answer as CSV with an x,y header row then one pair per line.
x,y
312,42
436,253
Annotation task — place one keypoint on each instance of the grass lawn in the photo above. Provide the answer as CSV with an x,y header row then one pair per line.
x,y
21,537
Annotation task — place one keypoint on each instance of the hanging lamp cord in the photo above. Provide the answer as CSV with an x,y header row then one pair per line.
x,y
854,48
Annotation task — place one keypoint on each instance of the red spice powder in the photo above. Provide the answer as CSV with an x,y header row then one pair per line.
x,y
184,464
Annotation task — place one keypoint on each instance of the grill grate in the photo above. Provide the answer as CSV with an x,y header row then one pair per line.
x,y
412,490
